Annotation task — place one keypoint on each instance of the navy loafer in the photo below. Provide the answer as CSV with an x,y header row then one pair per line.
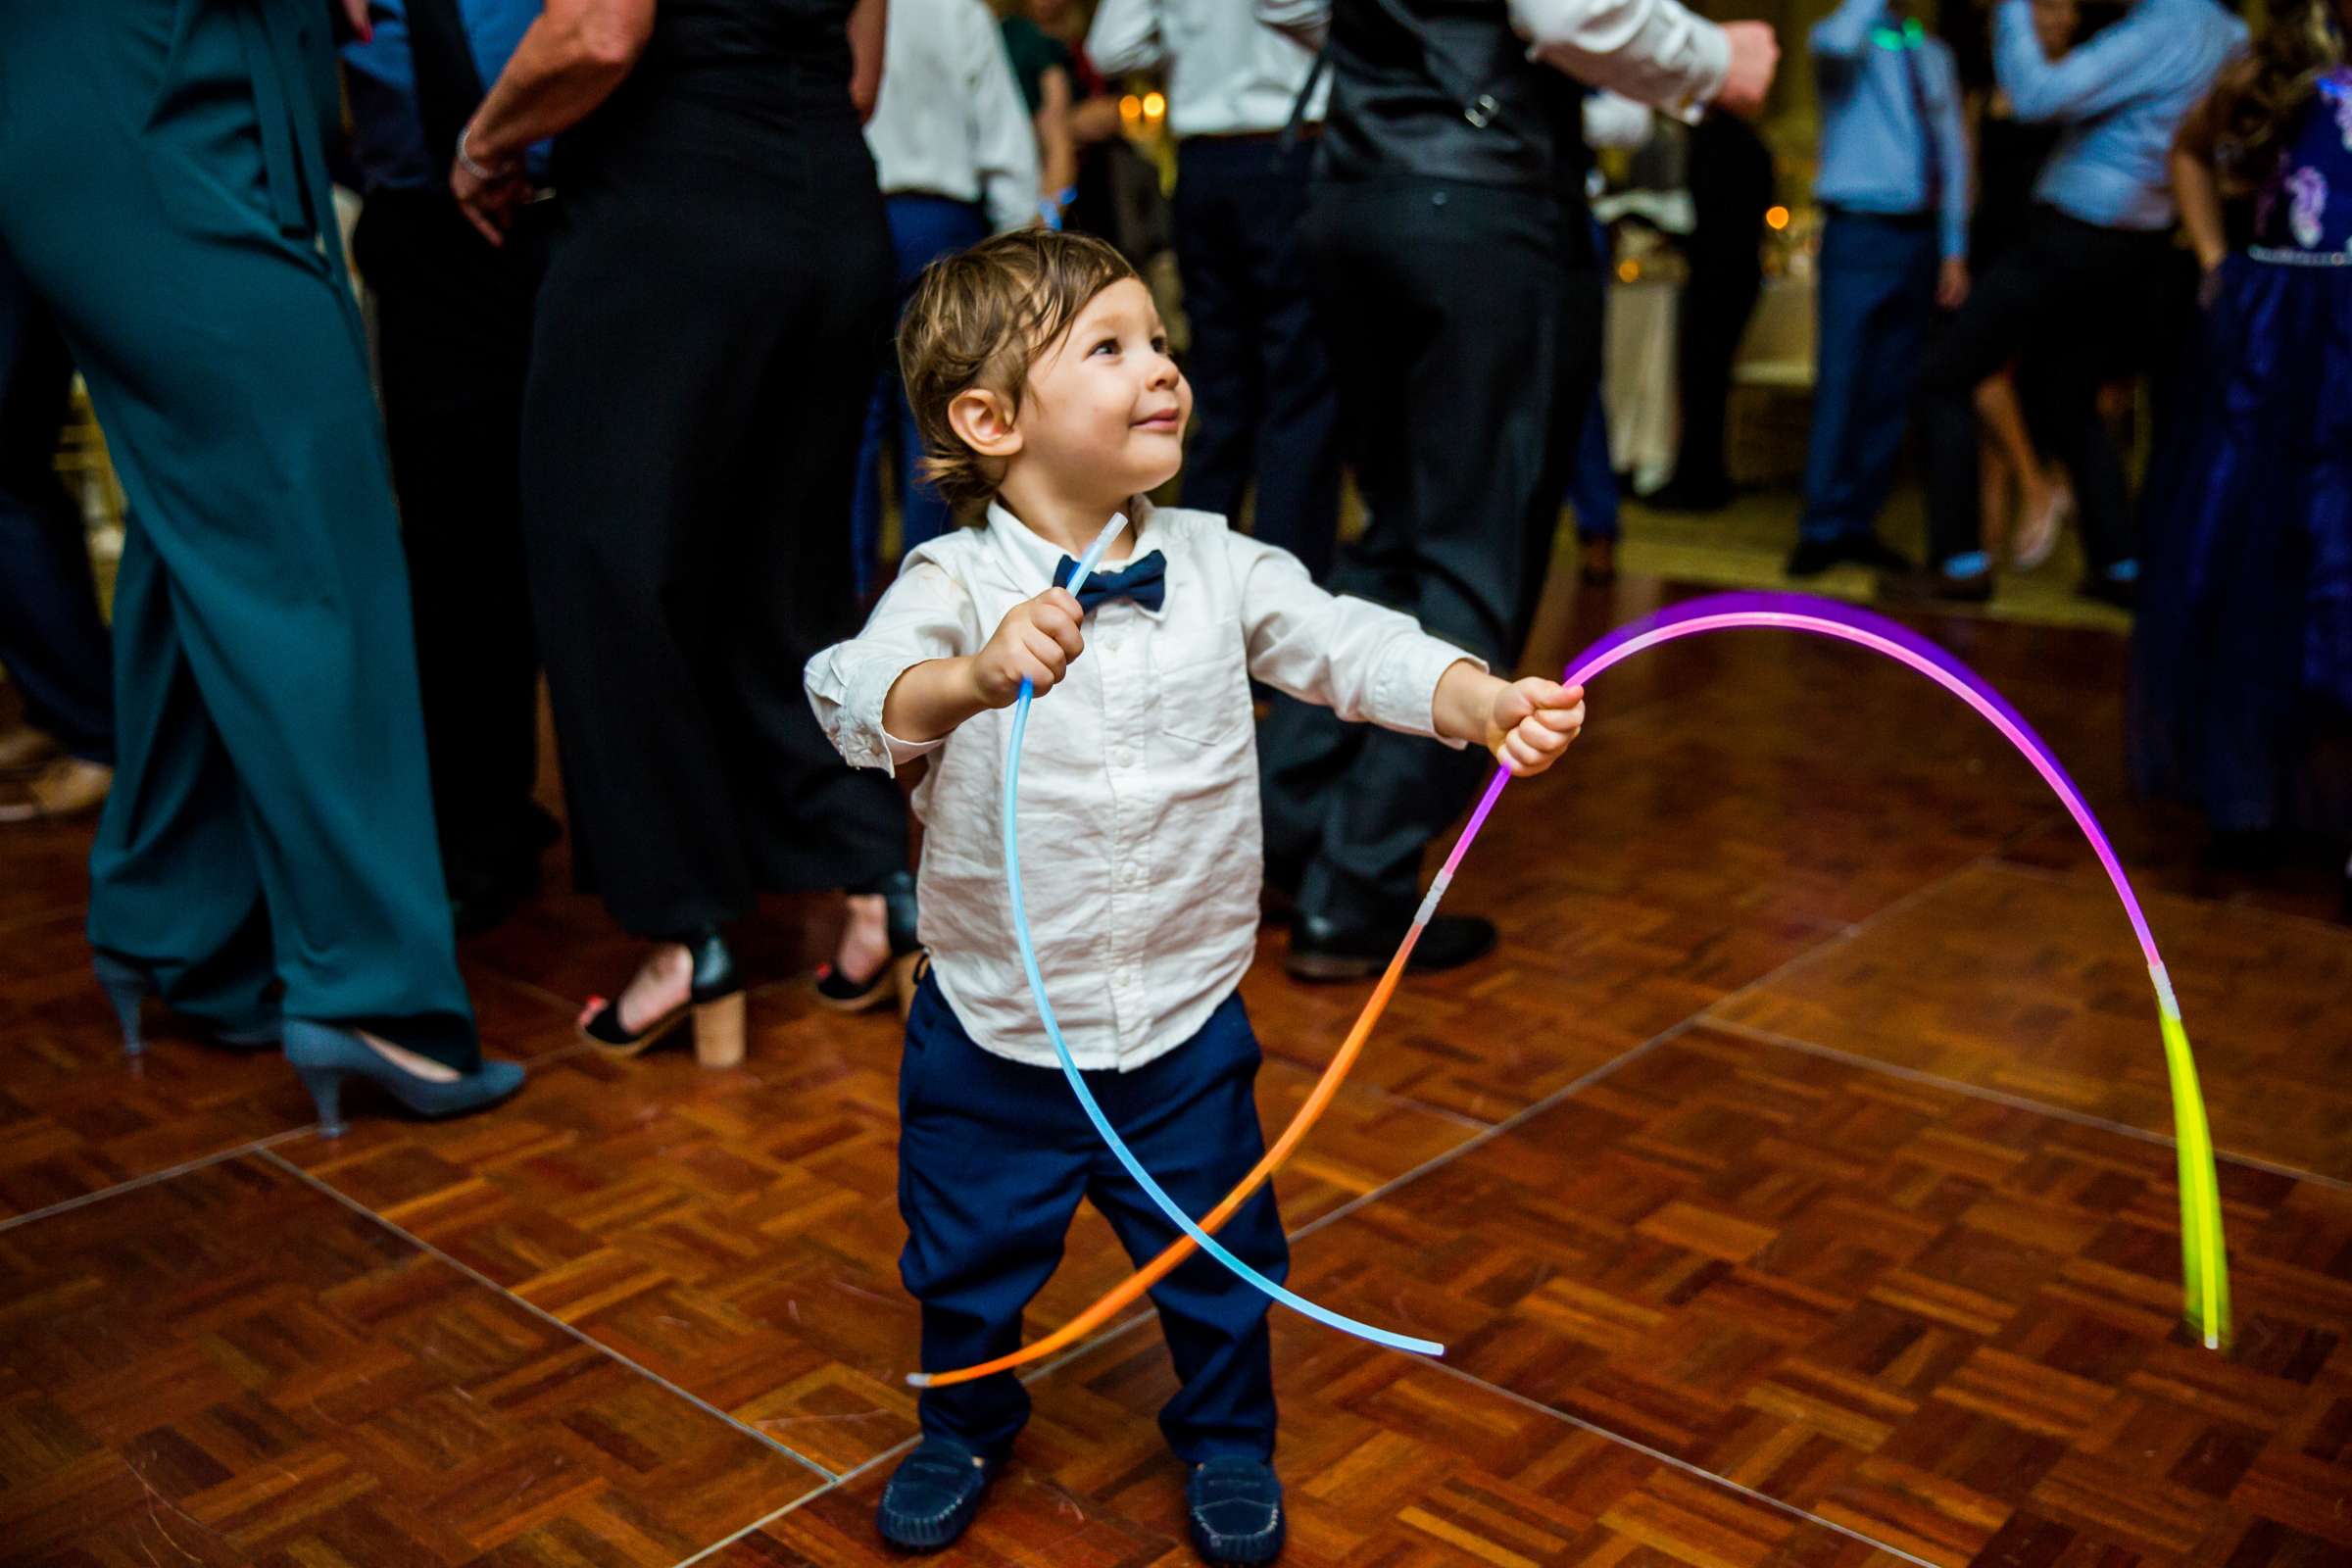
x,y
932,1496
1234,1505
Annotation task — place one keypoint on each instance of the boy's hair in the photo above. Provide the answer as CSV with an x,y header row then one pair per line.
x,y
977,318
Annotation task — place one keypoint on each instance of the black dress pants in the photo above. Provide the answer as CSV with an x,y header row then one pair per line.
x,y
715,306
1262,383
1465,330
454,317
2073,299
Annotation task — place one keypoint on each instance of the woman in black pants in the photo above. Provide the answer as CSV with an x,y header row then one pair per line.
x,y
717,293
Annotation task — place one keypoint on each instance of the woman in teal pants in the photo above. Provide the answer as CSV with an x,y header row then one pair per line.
x,y
163,189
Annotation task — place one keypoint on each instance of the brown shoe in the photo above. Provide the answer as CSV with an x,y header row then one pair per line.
x,y
67,787
24,749
1597,562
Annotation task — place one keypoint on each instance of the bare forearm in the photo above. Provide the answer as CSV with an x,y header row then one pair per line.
x,y
2200,200
569,61
867,24
1095,121
931,699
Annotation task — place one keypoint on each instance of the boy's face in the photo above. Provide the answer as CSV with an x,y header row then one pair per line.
x,y
1104,415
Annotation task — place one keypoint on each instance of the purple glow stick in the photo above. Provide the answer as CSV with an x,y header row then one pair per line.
x,y
2204,1260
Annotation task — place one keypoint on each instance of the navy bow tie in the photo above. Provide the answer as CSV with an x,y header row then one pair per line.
x,y
1145,581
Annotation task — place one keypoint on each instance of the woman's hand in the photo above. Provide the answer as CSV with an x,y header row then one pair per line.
x,y
487,193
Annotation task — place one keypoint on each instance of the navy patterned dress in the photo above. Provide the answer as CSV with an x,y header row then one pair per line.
x,y
2243,669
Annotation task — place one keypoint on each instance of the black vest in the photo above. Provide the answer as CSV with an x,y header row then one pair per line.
x,y
1442,89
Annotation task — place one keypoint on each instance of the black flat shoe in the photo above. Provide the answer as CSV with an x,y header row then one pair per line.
x,y
933,1495
1233,1508
1813,556
897,976
326,1055
2123,593
129,984
1932,585
1323,949
714,1002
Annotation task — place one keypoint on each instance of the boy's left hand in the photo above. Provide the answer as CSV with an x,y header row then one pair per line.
x,y
1531,723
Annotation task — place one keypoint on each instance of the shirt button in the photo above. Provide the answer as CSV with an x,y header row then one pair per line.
x,y
1121,757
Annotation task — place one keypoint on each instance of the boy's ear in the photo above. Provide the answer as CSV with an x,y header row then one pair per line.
x,y
983,421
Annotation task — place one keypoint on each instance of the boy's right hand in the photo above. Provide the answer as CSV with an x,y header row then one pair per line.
x,y
1036,642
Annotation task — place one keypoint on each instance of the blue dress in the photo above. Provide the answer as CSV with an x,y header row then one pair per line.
x,y
2242,667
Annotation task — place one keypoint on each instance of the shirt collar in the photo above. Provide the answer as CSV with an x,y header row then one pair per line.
x,y
1024,561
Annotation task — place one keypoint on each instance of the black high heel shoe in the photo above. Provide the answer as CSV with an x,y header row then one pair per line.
x,y
325,1056
714,1002
127,985
899,974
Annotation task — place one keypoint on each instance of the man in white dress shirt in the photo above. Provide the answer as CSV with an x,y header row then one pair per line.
x,y
956,156
1267,411
1460,300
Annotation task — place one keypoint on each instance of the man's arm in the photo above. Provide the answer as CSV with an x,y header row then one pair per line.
x,y
1126,36
1306,21
1844,32
1952,152
1003,138
2110,71
1652,50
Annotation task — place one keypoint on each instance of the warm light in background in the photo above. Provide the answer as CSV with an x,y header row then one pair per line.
x,y
1776,217
1629,271
1130,108
1154,106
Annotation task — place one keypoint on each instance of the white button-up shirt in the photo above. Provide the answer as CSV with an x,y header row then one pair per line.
x,y
949,120
1652,51
1141,845
1227,70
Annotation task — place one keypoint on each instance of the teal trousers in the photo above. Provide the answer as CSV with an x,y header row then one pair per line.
x,y
163,188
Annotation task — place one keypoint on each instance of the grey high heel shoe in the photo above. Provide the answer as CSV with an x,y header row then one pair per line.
x,y
127,985
325,1056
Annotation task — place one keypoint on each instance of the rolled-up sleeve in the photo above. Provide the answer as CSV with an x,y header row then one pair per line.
x,y
926,614
1652,51
1365,663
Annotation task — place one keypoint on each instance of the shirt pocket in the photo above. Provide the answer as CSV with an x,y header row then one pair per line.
x,y
1204,693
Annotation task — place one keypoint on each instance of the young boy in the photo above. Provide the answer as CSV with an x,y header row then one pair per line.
x,y
1040,375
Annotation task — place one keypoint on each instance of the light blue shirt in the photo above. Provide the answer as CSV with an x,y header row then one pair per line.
x,y
1874,149
2119,97
387,140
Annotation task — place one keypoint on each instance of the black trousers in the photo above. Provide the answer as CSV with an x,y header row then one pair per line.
x,y
713,316
52,642
1262,383
2081,304
1710,320
454,316
1464,331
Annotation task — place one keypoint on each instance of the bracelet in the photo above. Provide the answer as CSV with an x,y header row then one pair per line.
x,y
466,161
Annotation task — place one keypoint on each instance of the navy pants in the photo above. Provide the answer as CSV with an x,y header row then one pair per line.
x,y
1593,481
52,642
993,1158
922,229
1878,306
1264,405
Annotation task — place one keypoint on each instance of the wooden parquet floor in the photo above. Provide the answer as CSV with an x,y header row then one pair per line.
x,y
1792,1190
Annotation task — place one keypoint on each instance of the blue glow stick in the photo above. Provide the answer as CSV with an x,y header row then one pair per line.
x,y
1069,1068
